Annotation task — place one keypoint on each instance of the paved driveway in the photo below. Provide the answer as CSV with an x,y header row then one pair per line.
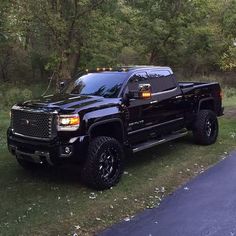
x,y
207,208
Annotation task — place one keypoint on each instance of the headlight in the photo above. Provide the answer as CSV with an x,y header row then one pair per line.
x,y
68,122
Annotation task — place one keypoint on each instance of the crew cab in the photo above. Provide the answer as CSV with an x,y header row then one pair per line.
x,y
101,116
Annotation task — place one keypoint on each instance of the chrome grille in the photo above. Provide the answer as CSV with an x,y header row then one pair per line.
x,y
35,124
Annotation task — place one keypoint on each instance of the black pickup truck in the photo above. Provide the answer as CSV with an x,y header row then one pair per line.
x,y
102,115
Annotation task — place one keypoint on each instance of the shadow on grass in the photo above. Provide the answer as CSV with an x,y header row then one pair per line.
x,y
71,174
58,175
158,152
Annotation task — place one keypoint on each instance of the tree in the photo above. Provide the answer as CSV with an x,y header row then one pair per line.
x,y
59,37
55,30
179,33
228,22
5,49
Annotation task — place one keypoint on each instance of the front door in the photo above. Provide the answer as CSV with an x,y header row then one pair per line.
x,y
140,111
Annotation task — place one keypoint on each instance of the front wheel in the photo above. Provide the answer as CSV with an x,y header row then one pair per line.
x,y
105,162
206,128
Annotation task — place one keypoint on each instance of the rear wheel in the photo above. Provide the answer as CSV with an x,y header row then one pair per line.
x,y
206,127
105,162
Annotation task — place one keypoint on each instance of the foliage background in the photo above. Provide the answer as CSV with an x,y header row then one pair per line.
x,y
44,38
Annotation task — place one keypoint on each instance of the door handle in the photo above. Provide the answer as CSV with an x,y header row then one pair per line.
x,y
180,96
155,101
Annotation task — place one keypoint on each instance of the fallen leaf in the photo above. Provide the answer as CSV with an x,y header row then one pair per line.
x,y
92,196
77,227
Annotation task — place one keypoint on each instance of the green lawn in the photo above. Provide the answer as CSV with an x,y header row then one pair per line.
x,y
4,123
230,101
54,202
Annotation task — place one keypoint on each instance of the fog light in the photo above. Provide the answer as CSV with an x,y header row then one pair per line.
x,y
67,150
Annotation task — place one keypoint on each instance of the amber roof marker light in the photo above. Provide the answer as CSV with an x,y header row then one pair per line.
x,y
104,69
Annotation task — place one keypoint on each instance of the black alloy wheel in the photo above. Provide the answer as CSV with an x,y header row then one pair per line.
x,y
206,127
104,164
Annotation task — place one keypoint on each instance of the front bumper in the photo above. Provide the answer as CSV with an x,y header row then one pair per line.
x,y
52,152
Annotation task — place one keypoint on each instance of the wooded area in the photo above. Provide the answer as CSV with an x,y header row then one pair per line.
x,y
45,37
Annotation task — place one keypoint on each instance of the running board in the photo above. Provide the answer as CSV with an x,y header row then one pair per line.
x,y
152,143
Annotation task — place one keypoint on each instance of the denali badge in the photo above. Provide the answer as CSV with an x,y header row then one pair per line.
x,y
136,123
29,122
25,122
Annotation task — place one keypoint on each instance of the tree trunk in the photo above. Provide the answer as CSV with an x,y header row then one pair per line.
x,y
4,75
76,64
153,57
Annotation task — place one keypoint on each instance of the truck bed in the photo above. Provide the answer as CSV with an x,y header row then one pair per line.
x,y
192,85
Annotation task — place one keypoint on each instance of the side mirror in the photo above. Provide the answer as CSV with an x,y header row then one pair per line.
x,y
144,92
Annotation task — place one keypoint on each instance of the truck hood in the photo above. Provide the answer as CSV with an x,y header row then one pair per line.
x,y
70,102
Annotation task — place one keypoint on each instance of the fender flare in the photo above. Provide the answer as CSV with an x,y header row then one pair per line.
x,y
204,100
112,120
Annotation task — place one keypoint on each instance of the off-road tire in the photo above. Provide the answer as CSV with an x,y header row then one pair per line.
x,y
206,128
103,150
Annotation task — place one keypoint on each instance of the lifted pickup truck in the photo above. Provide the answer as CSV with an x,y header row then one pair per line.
x,y
101,115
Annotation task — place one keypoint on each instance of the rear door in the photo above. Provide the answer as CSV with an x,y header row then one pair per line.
x,y
167,101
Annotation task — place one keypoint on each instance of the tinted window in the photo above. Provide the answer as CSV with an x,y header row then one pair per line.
x,y
161,80
98,84
137,79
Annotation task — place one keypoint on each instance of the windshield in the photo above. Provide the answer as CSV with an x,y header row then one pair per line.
x,y
107,85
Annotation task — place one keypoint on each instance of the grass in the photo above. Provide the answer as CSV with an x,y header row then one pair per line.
x,y
54,202
4,122
229,101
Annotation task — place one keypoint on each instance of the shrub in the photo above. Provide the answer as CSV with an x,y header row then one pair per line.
x,y
14,95
229,92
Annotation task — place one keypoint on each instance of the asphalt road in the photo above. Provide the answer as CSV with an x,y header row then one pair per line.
x,y
208,207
